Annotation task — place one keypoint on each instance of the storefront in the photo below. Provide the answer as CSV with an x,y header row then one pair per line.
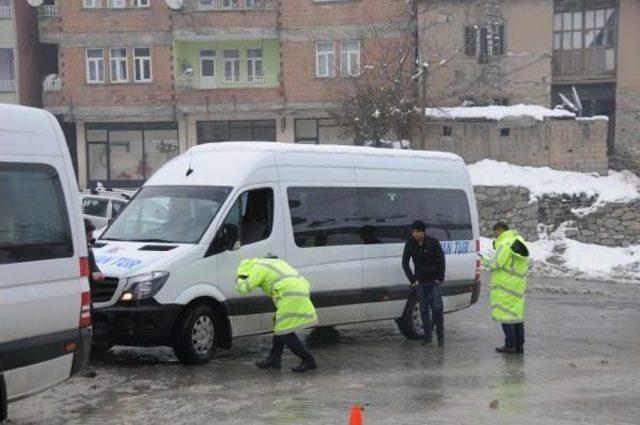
x,y
126,154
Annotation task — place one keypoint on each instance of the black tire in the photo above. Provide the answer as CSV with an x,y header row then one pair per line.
x,y
410,324
196,335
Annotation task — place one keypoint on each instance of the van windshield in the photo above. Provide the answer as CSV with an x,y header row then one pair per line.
x,y
173,214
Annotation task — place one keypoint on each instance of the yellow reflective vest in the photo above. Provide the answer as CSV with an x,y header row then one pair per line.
x,y
289,291
508,278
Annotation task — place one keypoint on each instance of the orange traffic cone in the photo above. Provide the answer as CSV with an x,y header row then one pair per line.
x,y
355,417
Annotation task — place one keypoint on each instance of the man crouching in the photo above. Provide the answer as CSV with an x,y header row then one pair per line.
x,y
290,293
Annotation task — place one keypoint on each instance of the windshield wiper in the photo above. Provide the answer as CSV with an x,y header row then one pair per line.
x,y
151,240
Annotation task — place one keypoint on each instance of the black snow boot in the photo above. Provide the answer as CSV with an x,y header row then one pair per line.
x,y
269,363
308,363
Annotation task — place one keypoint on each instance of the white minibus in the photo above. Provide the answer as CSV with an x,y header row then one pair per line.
x,y
45,322
339,214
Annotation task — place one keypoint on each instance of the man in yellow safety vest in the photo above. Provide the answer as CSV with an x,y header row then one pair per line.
x,y
509,266
290,293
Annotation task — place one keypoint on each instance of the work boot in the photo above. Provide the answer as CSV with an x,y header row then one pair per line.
x,y
426,342
520,350
268,363
307,363
441,341
506,350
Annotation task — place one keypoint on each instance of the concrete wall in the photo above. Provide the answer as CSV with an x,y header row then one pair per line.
x,y
522,75
560,144
627,142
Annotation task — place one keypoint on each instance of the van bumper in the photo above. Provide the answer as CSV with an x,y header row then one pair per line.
x,y
140,324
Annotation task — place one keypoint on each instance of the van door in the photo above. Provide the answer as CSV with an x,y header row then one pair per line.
x,y
40,284
252,228
323,243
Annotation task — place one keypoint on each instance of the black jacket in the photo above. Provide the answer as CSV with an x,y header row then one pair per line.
x,y
428,260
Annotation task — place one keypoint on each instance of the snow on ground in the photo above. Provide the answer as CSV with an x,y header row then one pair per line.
x,y
616,187
497,113
560,257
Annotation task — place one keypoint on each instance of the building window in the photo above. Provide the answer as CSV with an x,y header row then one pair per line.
x,y
325,59
319,131
119,68
350,58
142,3
231,65
7,71
483,42
142,64
254,65
505,132
95,66
207,69
229,4
447,131
129,153
117,4
236,131
92,4
584,29
5,9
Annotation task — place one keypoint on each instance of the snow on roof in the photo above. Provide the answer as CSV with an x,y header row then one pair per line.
x,y
326,149
616,187
497,113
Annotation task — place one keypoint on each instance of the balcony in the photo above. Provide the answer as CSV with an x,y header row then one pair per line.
x,y
7,86
47,11
235,5
5,12
225,19
191,83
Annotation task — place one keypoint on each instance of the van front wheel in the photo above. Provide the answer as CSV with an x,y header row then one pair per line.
x,y
410,324
195,340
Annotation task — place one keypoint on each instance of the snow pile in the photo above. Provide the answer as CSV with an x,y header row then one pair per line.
x,y
616,187
498,113
389,144
560,257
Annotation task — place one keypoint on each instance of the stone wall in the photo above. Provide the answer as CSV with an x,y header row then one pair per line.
x,y
615,224
510,204
563,144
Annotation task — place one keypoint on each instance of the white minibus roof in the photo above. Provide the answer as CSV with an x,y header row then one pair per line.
x,y
29,126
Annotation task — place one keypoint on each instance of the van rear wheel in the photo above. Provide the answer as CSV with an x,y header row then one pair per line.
x,y
410,324
196,335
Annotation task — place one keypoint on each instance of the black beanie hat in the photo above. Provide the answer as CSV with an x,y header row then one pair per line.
x,y
419,225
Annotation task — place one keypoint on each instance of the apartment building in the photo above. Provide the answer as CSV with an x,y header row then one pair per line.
x,y
140,82
20,54
531,51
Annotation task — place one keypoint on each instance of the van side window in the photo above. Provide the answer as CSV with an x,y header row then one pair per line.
x,y
95,207
34,224
116,207
324,216
252,214
389,212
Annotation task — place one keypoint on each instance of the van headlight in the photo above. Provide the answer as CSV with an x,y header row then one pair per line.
x,y
144,285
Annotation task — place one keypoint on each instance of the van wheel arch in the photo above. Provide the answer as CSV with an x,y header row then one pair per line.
x,y
223,337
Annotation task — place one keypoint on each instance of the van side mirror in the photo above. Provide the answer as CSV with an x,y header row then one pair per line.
x,y
226,240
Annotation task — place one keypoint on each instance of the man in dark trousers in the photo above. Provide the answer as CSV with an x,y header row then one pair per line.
x,y
429,265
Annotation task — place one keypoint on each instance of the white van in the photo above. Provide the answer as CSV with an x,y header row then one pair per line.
x,y
340,215
45,322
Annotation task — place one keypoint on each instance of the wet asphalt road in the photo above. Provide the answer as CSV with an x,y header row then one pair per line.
x,y
582,366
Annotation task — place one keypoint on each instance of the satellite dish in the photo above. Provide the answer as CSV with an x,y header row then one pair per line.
x,y
576,100
35,3
175,4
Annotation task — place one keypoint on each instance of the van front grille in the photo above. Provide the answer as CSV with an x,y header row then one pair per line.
x,y
102,292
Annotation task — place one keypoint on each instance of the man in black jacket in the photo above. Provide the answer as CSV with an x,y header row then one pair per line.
x,y
429,265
